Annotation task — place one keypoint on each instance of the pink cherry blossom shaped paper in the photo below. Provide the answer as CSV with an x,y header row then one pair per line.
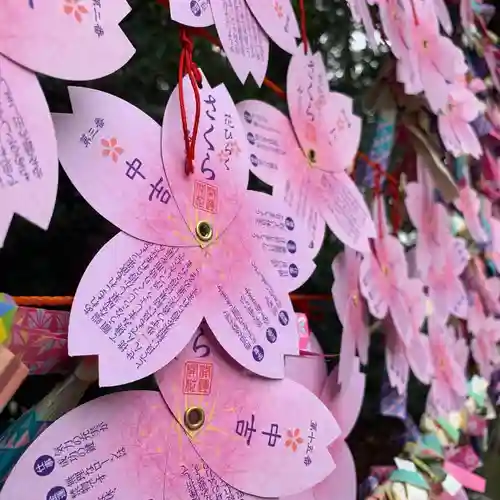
x,y
247,436
258,20
68,39
385,283
484,346
351,310
347,402
28,145
431,61
144,295
309,158
449,384
126,443
458,136
469,204
445,288
401,357
394,16
429,218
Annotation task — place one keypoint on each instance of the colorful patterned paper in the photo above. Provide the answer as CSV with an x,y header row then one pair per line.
x,y
40,338
8,309
244,416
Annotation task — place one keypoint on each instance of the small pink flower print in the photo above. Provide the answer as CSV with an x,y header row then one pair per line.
x,y
75,8
111,148
293,439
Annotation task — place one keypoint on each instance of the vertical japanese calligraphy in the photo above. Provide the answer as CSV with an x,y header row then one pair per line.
x,y
313,428
137,306
208,172
246,429
18,159
98,29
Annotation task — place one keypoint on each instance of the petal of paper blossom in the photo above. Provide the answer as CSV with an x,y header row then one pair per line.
x,y
343,134
272,224
373,286
345,401
238,410
24,116
309,371
407,308
143,448
344,209
446,291
430,218
278,20
307,95
343,479
443,16
435,85
468,203
213,192
419,358
351,311
448,135
468,140
195,14
274,153
449,386
361,14
391,17
396,363
247,307
47,40
301,195
136,306
248,54
132,193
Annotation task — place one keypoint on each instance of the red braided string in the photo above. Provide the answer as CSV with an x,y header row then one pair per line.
x,y
303,29
187,66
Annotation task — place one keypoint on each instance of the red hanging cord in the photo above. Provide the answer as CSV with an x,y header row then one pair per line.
x,y
187,66
303,30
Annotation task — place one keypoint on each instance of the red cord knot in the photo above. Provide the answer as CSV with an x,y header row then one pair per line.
x,y
188,67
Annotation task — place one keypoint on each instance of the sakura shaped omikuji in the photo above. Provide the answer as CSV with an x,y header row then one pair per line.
x,y
191,246
385,282
344,402
244,28
305,158
275,433
67,39
449,357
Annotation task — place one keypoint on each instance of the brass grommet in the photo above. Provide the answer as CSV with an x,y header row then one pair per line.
x,y
311,156
204,231
194,418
